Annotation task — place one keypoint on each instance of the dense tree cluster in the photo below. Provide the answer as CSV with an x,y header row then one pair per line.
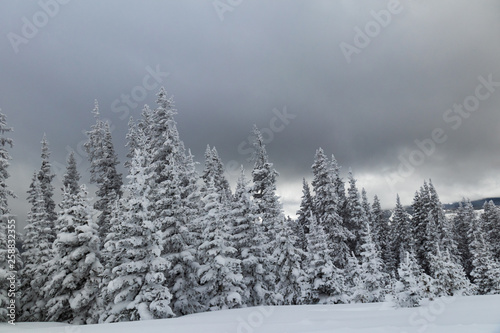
x,y
171,242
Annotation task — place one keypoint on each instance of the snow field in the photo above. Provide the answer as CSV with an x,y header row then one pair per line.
x,y
468,314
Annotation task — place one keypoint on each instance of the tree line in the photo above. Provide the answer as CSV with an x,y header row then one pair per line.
x,y
171,242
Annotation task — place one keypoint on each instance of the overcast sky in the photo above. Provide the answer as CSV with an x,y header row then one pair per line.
x,y
363,80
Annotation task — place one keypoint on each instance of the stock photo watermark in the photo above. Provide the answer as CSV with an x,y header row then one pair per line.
x,y
32,26
277,124
428,314
254,320
72,329
223,6
12,274
372,29
454,118
127,102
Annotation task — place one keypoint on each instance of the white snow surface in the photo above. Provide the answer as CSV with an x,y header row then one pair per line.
x,y
468,314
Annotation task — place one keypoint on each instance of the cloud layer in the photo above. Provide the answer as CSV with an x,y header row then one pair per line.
x,y
243,63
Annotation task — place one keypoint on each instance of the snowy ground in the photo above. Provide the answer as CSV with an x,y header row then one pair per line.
x,y
474,314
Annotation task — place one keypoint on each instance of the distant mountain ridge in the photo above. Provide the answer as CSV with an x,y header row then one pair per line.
x,y
477,204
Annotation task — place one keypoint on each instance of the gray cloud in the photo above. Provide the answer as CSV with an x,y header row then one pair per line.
x,y
228,75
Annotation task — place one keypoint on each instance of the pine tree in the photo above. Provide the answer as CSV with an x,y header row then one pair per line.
x,y
298,232
355,290
356,217
37,253
292,280
214,170
432,240
242,215
103,161
326,280
191,201
135,136
409,289
249,242
173,197
462,221
208,171
113,251
137,290
174,202
342,208
7,248
449,277
491,218
326,208
431,227
264,176
306,206
444,225
366,206
373,272
162,137
418,224
372,276
183,278
220,272
303,214
45,176
485,270
71,177
73,284
382,234
401,235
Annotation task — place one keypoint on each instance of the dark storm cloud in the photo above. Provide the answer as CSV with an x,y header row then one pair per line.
x,y
262,58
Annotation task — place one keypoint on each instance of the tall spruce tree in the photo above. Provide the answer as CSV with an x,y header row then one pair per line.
x,y
220,271
485,270
8,251
444,225
342,208
37,252
264,177
448,276
303,214
355,291
74,273
137,290
292,281
298,231
372,277
248,238
382,234
410,288
462,221
45,177
326,279
356,216
401,236
214,170
432,243
491,218
173,197
431,227
184,288
420,207
103,161
137,137
71,177
326,208
306,207
366,206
